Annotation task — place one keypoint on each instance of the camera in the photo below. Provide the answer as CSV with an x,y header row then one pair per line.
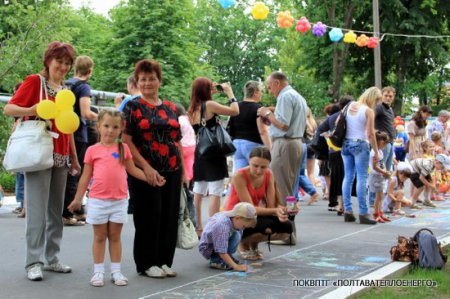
x,y
219,88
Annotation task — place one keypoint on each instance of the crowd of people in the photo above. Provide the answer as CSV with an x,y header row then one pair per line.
x,y
146,151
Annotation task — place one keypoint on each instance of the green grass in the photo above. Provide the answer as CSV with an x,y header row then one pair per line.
x,y
442,277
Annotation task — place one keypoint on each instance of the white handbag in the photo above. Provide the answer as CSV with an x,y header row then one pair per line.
x,y
187,237
30,147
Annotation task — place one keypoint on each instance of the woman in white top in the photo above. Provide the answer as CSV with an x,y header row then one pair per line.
x,y
356,151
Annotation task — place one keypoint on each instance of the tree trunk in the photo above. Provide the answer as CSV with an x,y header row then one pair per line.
x,y
339,54
400,84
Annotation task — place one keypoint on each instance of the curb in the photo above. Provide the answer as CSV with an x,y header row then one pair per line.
x,y
390,270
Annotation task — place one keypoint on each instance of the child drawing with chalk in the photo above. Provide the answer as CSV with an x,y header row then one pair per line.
x,y
222,234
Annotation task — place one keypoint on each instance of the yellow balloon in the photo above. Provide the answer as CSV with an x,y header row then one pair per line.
x,y
46,109
350,37
260,11
65,99
67,122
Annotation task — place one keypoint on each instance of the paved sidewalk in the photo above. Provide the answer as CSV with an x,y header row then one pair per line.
x,y
328,250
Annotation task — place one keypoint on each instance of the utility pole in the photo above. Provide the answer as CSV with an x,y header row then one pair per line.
x,y
377,50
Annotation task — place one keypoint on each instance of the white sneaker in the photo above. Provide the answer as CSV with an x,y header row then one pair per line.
x,y
35,272
97,279
58,267
169,272
119,279
155,272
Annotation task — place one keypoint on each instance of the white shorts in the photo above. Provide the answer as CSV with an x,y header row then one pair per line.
x,y
101,211
211,188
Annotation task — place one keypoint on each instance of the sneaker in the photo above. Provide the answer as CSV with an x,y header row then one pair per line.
x,y
34,272
119,279
169,272
429,204
97,279
155,272
58,267
221,265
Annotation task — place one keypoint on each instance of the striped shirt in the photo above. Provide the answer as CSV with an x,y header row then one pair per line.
x,y
423,166
216,235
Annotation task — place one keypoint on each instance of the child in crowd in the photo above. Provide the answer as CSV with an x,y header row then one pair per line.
x,y
222,234
442,178
428,149
400,143
107,163
378,176
436,137
422,177
395,196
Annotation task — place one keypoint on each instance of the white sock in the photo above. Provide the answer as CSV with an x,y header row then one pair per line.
x,y
99,267
115,267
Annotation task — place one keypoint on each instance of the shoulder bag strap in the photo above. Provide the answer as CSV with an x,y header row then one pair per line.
x,y
202,114
43,88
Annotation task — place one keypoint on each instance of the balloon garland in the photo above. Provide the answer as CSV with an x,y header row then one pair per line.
x,y
285,20
61,110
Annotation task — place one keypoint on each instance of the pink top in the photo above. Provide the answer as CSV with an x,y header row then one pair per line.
x,y
187,132
109,177
256,194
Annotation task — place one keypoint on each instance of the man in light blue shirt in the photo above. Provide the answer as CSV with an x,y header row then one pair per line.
x,y
287,129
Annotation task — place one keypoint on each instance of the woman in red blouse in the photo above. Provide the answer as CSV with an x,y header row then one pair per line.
x,y
153,134
45,189
256,184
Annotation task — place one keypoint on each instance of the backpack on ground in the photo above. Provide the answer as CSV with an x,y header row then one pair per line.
x,y
431,255
337,137
422,249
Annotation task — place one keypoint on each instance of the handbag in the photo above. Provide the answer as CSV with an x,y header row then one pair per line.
x,y
213,141
337,137
187,237
30,147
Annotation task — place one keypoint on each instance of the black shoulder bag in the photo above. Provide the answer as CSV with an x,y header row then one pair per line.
x,y
213,141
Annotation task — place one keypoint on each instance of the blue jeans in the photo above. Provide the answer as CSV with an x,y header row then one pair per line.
x,y
302,180
355,155
233,243
20,183
243,149
388,156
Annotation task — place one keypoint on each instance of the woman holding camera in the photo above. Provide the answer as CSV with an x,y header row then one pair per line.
x,y
209,172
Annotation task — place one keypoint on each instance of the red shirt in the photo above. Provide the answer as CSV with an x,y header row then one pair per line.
x,y
27,96
256,194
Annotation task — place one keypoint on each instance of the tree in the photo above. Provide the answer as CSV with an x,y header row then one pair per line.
x,y
162,30
238,47
26,29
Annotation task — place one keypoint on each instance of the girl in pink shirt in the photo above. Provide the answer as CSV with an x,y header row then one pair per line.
x,y
107,163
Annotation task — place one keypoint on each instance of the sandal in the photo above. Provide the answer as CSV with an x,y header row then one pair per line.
x,y
340,212
72,222
199,232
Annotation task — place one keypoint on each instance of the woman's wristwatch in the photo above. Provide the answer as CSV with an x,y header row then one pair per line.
x,y
232,100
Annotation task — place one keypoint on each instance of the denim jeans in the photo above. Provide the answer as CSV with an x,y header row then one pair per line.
x,y
20,183
243,149
233,243
302,180
388,156
355,155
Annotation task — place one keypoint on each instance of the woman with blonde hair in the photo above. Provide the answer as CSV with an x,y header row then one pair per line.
x,y
356,150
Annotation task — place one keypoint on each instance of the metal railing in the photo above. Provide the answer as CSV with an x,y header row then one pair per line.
x,y
99,97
